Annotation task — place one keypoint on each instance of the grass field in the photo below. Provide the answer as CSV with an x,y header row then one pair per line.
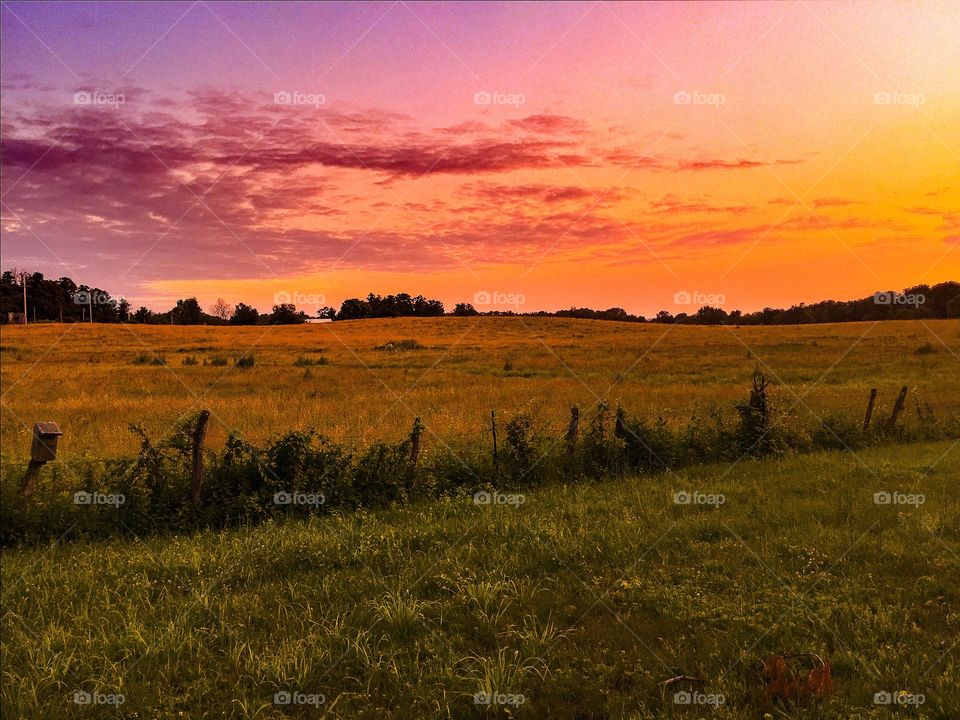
x,y
96,380
567,600
581,599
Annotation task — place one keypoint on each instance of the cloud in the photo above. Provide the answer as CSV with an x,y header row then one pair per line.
x,y
550,124
674,205
714,164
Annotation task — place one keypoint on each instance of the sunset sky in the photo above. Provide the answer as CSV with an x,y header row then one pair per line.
x,y
595,154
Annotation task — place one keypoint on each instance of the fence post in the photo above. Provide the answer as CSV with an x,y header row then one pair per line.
x,y
870,403
493,427
571,436
29,480
619,425
199,435
43,449
415,442
897,409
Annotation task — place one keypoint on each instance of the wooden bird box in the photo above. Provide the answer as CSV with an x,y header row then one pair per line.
x,y
45,437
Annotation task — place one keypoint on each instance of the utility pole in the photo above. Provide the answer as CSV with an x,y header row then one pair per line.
x,y
90,302
23,281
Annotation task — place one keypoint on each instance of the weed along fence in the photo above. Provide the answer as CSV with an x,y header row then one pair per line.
x,y
178,484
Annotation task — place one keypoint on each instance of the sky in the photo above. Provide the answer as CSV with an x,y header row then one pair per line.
x,y
516,156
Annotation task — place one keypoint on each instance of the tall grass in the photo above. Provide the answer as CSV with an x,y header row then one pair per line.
x,y
304,473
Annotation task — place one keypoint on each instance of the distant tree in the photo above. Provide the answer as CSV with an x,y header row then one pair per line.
x,y
464,309
327,312
354,309
221,309
243,314
286,314
708,315
123,310
663,317
422,307
143,315
187,312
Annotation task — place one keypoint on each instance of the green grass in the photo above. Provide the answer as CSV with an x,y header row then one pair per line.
x,y
582,599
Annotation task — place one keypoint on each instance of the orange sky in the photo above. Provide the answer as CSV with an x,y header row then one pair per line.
x,y
539,156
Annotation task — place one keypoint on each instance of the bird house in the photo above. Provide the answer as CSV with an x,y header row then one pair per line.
x,y
45,438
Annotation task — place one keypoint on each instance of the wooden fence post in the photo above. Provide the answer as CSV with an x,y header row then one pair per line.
x,y
571,437
493,427
897,409
620,423
870,403
199,435
415,435
29,481
43,449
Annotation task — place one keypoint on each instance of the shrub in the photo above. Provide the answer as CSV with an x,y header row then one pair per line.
x,y
302,361
400,345
190,360
244,361
148,359
838,432
217,362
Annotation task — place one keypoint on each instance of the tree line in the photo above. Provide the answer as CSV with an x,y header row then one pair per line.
x,y
63,300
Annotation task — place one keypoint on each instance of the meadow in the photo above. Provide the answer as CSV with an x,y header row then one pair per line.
x,y
553,593
97,380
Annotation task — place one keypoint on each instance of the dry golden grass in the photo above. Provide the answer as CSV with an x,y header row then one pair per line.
x,y
86,377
